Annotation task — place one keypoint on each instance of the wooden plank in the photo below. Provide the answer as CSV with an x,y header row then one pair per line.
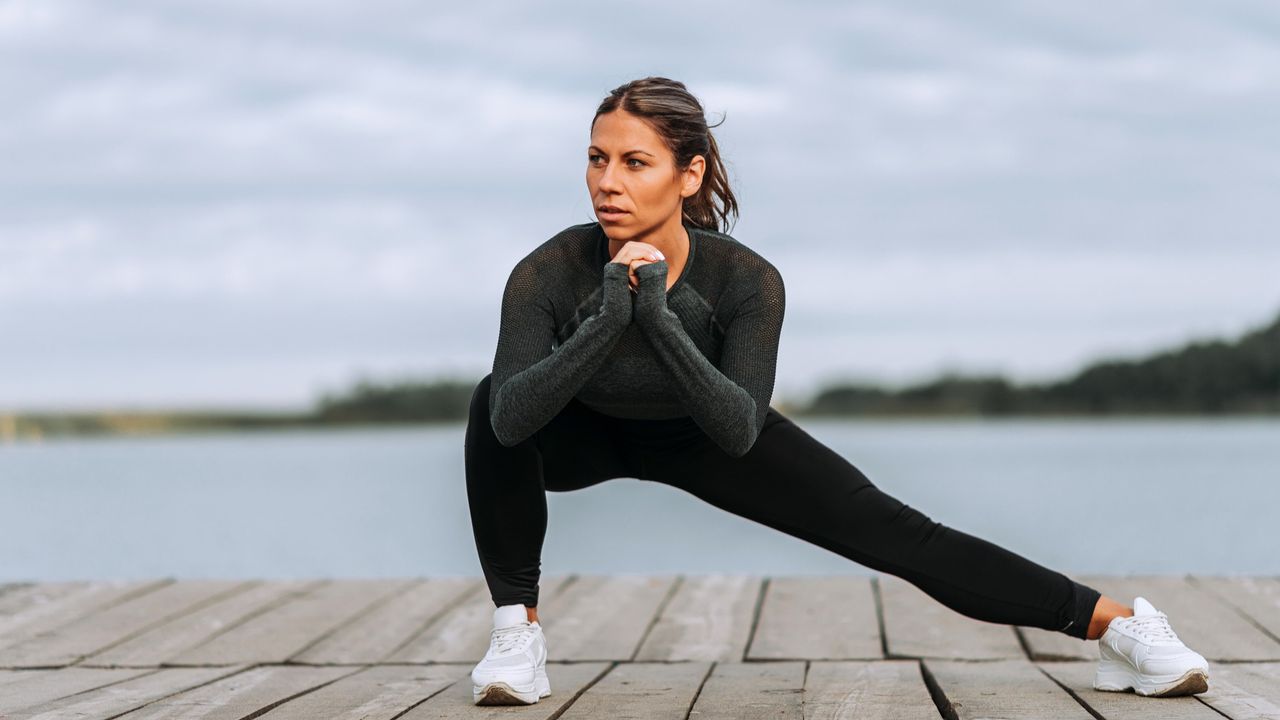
x,y
817,618
282,632
653,691
455,703
1256,597
916,625
603,617
1051,645
884,689
1205,622
26,688
21,603
62,604
13,676
1002,689
1244,691
375,693
240,695
708,618
1078,678
96,631
380,632
461,634
120,698
162,644
752,691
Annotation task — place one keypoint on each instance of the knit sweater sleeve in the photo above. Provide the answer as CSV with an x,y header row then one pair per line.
x,y
531,381
729,403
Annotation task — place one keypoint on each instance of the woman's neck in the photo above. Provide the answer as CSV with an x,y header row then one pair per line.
x,y
672,242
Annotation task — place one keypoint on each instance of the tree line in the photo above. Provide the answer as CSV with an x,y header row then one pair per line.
x,y
1204,377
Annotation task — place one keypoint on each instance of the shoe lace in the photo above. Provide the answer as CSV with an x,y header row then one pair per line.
x,y
513,637
1154,627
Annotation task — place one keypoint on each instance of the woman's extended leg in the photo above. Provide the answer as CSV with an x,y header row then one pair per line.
x,y
793,483
506,489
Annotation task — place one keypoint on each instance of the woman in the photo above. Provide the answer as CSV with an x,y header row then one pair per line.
x,y
644,345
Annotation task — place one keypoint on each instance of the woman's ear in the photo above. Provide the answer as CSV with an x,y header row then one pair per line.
x,y
693,176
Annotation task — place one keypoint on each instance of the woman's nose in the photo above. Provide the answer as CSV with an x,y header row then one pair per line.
x,y
608,178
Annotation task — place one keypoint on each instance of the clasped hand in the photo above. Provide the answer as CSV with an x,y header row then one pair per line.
x,y
648,289
635,254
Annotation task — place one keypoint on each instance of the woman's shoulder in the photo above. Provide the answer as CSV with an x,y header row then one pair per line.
x,y
574,240
735,255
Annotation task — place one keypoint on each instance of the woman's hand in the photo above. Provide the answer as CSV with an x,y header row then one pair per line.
x,y
634,254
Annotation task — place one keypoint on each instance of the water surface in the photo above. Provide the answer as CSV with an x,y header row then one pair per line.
x,y
1113,496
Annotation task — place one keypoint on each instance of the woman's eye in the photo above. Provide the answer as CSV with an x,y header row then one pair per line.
x,y
597,159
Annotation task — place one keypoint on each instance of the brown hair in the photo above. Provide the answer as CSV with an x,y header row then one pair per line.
x,y
677,117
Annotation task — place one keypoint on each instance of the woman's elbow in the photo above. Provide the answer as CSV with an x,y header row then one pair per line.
x,y
742,443
505,432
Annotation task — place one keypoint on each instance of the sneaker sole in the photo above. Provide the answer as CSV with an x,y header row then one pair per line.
x,y
1123,679
500,693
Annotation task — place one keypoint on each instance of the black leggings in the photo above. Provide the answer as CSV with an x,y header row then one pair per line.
x,y
787,481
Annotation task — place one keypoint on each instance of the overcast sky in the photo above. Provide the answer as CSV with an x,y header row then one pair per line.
x,y
248,203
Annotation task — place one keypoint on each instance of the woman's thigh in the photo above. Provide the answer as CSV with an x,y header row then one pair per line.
x,y
791,482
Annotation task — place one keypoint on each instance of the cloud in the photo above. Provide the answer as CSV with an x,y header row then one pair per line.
x,y
1016,186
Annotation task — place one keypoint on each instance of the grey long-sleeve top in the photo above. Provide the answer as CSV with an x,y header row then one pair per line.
x,y
572,328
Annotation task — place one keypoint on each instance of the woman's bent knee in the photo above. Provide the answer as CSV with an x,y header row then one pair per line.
x,y
480,396
479,424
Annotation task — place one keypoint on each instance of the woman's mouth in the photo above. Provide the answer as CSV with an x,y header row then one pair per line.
x,y
610,213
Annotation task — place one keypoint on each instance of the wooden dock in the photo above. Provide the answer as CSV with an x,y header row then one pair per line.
x,y
621,646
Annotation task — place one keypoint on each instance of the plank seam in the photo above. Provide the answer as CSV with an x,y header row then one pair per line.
x,y
207,602
940,701
87,690
409,709
463,596
804,687
1074,695
585,687
356,617
1209,705
755,618
266,608
878,601
176,692
93,610
272,706
694,701
1022,642
1193,580
653,621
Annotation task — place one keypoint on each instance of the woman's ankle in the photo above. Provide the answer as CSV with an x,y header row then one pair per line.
x,y
1104,612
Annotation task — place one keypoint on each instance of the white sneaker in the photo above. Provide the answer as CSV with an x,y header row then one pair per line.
x,y
1143,653
514,670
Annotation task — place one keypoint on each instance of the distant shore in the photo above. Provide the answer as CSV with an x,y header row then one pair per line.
x,y
1206,378
28,428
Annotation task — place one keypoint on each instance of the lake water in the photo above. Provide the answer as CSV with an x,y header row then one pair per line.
x,y
1109,496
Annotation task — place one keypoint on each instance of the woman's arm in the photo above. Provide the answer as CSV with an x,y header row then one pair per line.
x,y
531,383
729,403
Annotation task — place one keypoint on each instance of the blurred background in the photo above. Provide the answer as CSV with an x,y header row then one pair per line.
x,y
252,257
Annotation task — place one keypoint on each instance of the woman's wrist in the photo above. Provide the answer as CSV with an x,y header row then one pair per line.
x,y
651,297
617,305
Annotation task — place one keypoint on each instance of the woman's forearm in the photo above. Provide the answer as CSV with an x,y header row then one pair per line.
x,y
524,396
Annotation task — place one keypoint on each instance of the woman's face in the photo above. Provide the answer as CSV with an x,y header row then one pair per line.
x,y
632,179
